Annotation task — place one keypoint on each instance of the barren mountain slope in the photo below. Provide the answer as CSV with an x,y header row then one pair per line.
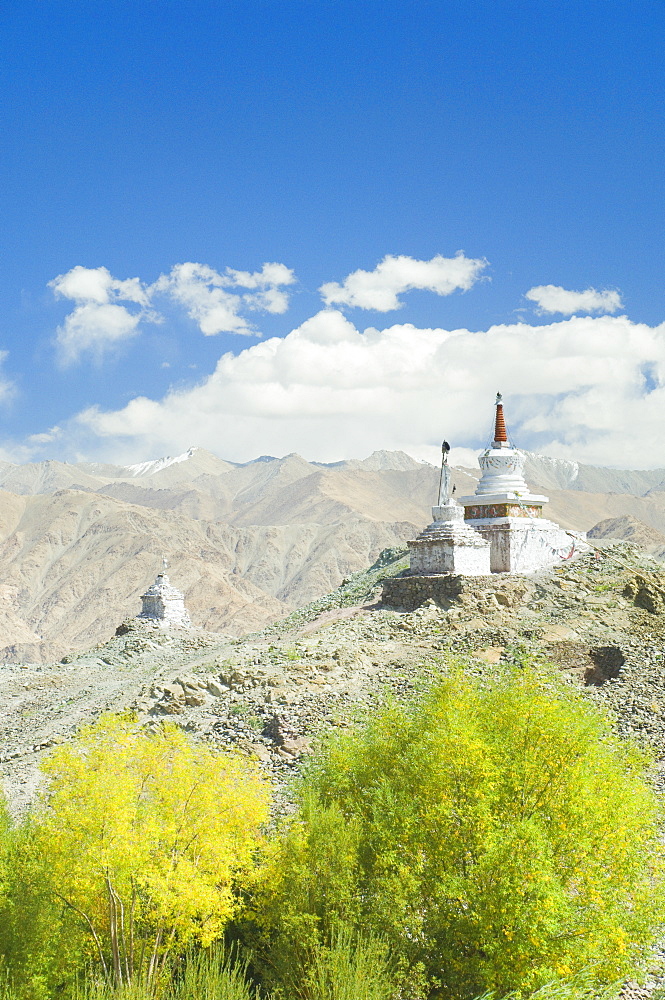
x,y
74,564
186,499
291,490
562,474
246,542
378,461
211,496
46,477
185,469
329,495
50,476
581,510
629,529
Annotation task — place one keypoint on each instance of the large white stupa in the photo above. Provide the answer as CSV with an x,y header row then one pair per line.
x,y
507,515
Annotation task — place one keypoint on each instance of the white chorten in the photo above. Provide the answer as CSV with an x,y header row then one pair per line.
x,y
448,545
164,605
507,515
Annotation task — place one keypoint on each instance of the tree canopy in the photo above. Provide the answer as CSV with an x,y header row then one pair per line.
x,y
143,840
495,832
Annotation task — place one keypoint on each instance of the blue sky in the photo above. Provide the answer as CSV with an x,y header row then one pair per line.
x,y
324,136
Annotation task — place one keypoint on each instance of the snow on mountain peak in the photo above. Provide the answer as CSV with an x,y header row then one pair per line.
x,y
554,473
157,464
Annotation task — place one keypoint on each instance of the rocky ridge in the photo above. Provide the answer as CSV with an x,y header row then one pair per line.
x,y
600,617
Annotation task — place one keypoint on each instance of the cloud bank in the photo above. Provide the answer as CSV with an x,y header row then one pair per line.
x,y
108,311
379,289
555,299
591,388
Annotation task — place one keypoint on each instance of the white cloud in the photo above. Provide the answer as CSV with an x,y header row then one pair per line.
x,y
46,437
94,328
101,318
270,274
202,291
379,289
269,296
555,299
98,322
96,284
589,388
198,288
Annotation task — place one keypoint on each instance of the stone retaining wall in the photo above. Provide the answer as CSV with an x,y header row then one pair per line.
x,y
409,592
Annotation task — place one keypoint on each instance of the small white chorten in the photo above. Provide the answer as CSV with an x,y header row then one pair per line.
x,y
505,513
448,545
164,605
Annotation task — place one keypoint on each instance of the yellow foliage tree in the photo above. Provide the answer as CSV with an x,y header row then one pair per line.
x,y
495,832
147,838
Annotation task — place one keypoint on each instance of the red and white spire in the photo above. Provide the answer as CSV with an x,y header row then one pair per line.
x,y
501,465
500,432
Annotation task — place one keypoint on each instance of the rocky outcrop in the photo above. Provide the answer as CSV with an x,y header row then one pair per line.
x,y
646,593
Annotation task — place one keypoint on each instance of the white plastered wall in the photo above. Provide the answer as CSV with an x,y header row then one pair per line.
x,y
525,545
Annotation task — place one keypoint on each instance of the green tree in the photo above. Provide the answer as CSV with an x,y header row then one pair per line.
x,y
495,832
141,843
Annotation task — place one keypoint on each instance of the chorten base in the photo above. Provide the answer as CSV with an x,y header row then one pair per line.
x,y
525,545
448,545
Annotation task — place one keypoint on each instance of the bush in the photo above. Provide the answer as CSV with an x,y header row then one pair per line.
x,y
351,967
210,974
580,987
140,845
215,974
494,832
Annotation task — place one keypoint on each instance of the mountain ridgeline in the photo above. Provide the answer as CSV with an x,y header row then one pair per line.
x,y
247,543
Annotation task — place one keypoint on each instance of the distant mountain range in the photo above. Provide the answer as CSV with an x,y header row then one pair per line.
x,y
80,542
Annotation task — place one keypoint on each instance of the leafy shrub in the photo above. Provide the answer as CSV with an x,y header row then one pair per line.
x,y
140,844
351,967
494,832
205,974
580,987
214,974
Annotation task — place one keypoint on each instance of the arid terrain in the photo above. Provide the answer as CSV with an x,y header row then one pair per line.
x,y
600,617
247,544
